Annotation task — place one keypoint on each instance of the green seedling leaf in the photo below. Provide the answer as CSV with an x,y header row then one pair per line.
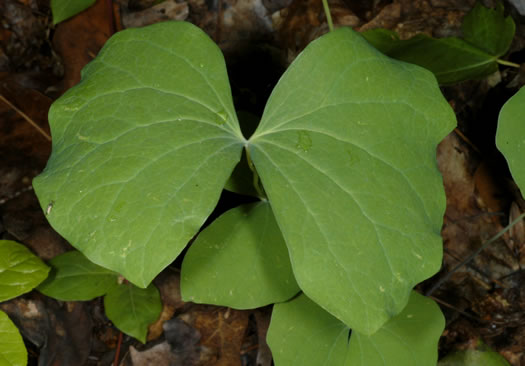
x,y
302,333
346,153
487,36
20,270
64,9
133,309
474,357
409,339
240,261
142,148
12,349
488,29
450,59
76,278
510,136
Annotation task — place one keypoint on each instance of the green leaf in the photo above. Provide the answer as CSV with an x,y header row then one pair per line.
x,y
474,358
20,270
510,136
142,148
133,309
346,153
12,349
409,339
450,59
239,261
130,308
488,29
76,278
302,333
487,36
64,9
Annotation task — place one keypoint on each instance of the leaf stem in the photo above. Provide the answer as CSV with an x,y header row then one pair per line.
x,y
328,15
473,255
256,181
507,63
26,117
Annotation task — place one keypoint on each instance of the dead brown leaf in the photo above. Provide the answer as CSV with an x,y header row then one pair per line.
x,y
79,39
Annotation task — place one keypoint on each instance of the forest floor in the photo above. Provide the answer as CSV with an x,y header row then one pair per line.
x,y
483,300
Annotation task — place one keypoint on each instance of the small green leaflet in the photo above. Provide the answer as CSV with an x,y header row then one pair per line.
x,y
302,333
408,339
133,309
75,278
487,36
20,270
64,9
489,29
240,261
482,355
510,136
130,308
12,349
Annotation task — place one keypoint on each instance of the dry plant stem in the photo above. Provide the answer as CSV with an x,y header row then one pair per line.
x,y
458,132
473,255
479,271
117,352
328,15
219,22
26,117
446,304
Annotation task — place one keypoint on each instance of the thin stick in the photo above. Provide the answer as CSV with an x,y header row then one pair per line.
x,y
328,15
117,352
473,255
26,117
444,303
219,22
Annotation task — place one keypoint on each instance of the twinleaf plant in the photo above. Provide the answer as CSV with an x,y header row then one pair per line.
x,y
130,308
487,36
20,272
342,161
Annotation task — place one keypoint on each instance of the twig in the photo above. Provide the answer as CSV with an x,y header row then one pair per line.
x,y
446,304
117,352
26,117
218,28
473,255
